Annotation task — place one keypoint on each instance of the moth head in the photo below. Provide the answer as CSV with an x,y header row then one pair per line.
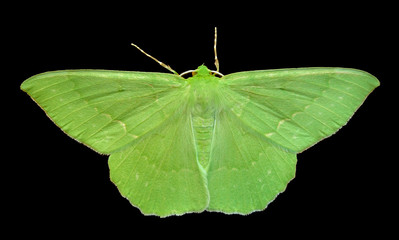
x,y
202,71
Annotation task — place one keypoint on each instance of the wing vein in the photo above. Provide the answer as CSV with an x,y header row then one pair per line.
x,y
266,125
271,162
99,102
163,160
239,150
140,122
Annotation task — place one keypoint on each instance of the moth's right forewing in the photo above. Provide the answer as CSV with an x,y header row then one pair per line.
x,y
296,108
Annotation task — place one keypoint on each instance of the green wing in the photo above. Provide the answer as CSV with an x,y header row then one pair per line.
x,y
160,173
265,118
246,172
296,108
142,120
103,109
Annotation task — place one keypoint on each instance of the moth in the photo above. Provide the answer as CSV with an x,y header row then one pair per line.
x,y
214,142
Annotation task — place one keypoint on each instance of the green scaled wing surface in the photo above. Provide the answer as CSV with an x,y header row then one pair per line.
x,y
265,119
204,143
141,120
106,110
296,108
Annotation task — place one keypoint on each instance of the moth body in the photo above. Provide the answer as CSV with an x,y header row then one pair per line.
x,y
203,108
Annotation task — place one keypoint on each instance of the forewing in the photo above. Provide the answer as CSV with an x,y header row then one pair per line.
x,y
159,173
296,108
103,109
246,171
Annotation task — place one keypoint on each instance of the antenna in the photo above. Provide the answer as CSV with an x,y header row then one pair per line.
x,y
216,55
173,71
156,60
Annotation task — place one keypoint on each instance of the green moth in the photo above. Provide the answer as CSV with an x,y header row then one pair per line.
x,y
206,142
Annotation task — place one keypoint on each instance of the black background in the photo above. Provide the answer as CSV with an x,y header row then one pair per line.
x,y
343,184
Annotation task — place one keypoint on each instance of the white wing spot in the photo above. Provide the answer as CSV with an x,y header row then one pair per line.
x,y
106,115
122,124
281,122
294,114
269,134
134,136
137,176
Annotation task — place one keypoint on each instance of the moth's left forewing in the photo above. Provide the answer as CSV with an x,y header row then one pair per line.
x,y
296,108
106,110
